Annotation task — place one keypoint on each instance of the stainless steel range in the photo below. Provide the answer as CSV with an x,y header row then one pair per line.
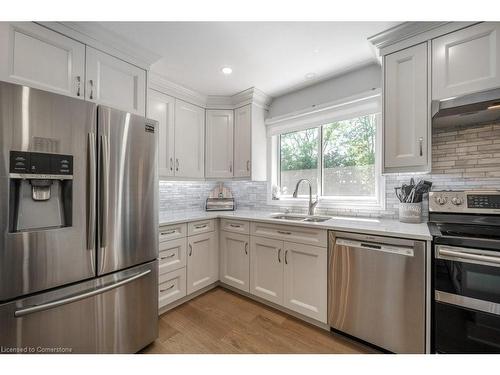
x,y
78,269
466,271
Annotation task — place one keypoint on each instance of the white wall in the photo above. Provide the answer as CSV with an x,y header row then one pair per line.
x,y
343,86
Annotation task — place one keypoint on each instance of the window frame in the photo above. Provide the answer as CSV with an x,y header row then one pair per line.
x,y
339,202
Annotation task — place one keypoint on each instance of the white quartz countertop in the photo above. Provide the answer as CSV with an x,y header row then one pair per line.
x,y
367,225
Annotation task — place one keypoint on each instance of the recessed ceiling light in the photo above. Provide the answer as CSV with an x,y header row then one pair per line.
x,y
310,75
227,70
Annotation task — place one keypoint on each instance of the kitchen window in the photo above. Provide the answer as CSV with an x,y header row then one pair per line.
x,y
341,157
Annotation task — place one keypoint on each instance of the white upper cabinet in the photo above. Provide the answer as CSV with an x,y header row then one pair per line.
x,y
115,83
242,141
235,260
189,140
305,280
466,61
161,108
219,144
34,56
406,110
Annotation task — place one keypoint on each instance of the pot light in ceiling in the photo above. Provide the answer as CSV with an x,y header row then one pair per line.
x,y
310,76
227,70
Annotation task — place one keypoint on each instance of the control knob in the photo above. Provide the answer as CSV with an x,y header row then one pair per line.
x,y
441,200
457,201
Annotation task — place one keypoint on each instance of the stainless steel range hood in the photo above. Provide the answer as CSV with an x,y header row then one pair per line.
x,y
479,108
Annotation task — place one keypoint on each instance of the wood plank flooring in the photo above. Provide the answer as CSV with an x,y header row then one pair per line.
x,y
221,321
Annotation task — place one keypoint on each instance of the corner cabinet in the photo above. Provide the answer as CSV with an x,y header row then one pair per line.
x,y
407,110
189,140
114,82
161,108
35,56
219,143
466,61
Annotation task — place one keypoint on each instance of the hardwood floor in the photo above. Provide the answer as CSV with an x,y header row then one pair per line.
x,y
221,321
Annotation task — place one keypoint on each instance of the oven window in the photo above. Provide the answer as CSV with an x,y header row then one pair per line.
x,y
469,280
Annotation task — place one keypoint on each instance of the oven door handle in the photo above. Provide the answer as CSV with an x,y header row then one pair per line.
x,y
462,255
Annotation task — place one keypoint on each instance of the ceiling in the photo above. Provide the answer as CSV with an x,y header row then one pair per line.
x,y
275,57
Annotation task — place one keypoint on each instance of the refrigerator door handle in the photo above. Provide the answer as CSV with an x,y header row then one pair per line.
x,y
104,190
65,301
91,209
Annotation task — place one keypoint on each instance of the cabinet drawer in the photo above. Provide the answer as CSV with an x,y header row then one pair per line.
x,y
171,287
236,226
172,232
172,255
202,226
309,236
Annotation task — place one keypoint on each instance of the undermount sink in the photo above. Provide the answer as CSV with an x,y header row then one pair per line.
x,y
305,218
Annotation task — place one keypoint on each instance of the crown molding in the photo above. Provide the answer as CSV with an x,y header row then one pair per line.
x,y
408,34
95,35
250,96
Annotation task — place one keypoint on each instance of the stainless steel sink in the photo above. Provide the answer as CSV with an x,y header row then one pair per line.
x,y
304,218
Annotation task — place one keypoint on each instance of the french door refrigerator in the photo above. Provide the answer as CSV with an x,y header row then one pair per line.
x,y
78,198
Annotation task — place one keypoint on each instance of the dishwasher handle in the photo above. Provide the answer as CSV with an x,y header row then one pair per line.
x,y
370,246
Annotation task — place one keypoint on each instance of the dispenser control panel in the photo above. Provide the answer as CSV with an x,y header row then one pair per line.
x,y
40,163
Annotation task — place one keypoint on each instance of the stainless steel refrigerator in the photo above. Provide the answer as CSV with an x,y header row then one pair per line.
x,y
78,203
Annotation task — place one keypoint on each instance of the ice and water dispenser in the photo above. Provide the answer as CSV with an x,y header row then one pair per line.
x,y
41,191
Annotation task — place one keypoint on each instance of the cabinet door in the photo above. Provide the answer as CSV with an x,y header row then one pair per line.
x,y
115,83
34,56
242,141
266,269
203,261
305,280
161,108
406,109
466,61
235,260
189,140
219,144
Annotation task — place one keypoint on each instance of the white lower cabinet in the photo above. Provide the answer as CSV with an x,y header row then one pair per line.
x,y
290,274
171,287
266,269
202,261
235,260
305,280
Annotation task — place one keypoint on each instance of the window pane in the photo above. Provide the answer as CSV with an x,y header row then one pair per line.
x,y
349,157
299,159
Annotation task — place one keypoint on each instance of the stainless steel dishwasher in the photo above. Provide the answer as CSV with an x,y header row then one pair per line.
x,y
376,290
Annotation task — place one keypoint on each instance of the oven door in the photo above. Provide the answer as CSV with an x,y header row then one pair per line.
x,y
467,300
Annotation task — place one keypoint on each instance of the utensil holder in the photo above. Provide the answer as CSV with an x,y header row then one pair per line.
x,y
410,212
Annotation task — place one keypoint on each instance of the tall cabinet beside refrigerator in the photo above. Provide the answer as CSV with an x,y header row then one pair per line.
x,y
78,220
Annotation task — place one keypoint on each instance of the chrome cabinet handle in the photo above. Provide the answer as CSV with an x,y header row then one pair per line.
x,y
78,79
286,258
168,256
168,232
231,167
248,165
190,249
201,226
91,208
177,165
105,189
64,301
284,232
235,225
246,248
171,164
279,255
91,82
168,288
421,141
